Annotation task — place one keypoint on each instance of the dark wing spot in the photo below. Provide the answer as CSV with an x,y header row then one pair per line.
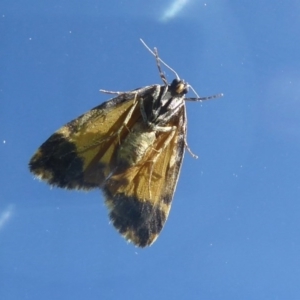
x,y
138,219
57,162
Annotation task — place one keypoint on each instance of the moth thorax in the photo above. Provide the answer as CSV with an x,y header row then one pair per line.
x,y
135,145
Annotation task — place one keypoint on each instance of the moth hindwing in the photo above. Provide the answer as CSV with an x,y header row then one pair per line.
x,y
132,148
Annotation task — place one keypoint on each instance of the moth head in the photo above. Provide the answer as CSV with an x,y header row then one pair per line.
x,y
178,87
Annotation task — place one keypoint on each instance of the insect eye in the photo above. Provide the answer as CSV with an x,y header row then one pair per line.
x,y
179,87
175,82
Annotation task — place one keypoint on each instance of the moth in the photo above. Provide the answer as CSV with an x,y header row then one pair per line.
x,y
131,147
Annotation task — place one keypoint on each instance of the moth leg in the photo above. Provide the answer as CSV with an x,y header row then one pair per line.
x,y
114,92
135,91
189,150
135,102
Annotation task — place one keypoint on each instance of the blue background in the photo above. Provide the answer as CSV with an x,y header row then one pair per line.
x,y
234,228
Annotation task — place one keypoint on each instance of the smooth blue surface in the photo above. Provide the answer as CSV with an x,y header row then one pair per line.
x,y
234,228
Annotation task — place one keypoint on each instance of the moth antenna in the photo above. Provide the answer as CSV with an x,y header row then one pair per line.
x,y
158,59
204,98
155,55
161,73
194,91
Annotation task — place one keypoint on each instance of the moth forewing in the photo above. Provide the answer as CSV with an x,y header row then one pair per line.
x,y
139,197
81,154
